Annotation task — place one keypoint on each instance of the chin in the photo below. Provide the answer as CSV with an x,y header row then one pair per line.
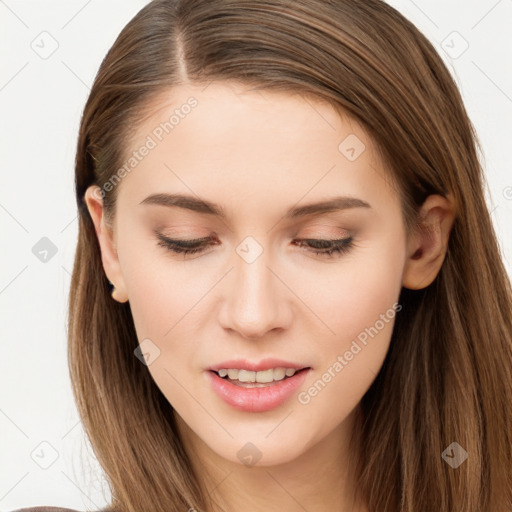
x,y
260,449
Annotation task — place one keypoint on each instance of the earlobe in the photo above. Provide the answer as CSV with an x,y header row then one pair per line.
x,y
428,243
106,242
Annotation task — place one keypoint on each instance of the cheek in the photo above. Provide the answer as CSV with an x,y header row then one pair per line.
x,y
163,304
359,306
161,291
353,294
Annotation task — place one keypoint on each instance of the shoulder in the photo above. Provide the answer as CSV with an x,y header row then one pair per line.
x,y
56,509
45,509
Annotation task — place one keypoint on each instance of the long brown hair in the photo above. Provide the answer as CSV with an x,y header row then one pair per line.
x,y
448,374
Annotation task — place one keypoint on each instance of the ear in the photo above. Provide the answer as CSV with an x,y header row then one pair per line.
x,y
106,240
427,244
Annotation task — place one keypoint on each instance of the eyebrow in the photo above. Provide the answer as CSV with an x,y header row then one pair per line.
x,y
206,207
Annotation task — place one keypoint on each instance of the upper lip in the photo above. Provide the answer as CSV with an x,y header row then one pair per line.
x,y
264,364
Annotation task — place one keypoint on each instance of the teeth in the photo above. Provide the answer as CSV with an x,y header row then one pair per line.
x,y
245,376
263,376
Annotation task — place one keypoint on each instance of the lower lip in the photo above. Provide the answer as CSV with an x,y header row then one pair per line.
x,y
257,399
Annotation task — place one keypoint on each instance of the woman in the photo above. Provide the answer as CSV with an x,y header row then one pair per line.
x,y
287,291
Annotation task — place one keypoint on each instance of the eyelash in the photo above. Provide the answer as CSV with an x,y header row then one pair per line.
x,y
338,246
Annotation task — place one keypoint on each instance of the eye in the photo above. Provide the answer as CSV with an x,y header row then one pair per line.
x,y
320,247
183,246
327,247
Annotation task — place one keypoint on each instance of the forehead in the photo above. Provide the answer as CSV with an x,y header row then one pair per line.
x,y
233,144
233,114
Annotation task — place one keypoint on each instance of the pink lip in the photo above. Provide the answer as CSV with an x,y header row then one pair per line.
x,y
264,364
257,399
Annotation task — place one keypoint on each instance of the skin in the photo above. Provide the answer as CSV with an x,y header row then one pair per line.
x,y
257,154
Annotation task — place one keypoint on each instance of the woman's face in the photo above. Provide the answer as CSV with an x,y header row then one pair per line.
x,y
253,297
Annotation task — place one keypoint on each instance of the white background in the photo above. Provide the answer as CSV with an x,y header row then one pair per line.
x,y
41,101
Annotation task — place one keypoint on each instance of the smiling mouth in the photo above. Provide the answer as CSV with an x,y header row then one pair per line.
x,y
251,379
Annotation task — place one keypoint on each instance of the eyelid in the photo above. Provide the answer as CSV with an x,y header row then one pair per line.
x,y
330,232
184,241
335,246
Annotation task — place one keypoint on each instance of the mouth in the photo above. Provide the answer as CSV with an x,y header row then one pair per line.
x,y
257,379
257,390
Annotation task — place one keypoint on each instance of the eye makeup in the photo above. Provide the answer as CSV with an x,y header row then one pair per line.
x,y
322,247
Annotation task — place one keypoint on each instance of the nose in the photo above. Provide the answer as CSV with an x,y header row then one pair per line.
x,y
256,300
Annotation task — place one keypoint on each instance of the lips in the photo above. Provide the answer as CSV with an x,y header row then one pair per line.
x,y
256,398
264,364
